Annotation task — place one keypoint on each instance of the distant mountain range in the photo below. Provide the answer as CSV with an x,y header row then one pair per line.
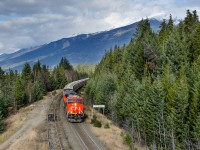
x,y
81,49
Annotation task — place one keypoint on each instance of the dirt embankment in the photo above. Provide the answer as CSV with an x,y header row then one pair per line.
x,y
26,129
111,137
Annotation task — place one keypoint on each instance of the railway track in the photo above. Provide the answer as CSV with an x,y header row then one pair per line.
x,y
57,139
79,135
64,135
86,140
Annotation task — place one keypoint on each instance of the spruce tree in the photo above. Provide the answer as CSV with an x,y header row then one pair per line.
x,y
26,72
196,132
170,25
195,50
163,31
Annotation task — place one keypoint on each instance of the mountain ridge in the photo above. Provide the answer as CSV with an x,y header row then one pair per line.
x,y
79,49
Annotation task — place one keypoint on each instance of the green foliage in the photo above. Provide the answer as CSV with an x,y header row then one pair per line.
x,y
65,64
95,122
20,89
151,86
196,131
195,48
94,119
128,140
85,70
107,126
26,72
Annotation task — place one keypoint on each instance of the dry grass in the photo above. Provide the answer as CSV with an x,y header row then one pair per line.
x,y
27,141
111,137
30,138
13,123
35,139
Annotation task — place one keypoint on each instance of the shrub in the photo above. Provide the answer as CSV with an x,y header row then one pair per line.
x,y
93,120
128,140
97,124
107,125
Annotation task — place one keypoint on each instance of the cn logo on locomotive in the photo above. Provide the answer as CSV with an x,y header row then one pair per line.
x,y
74,108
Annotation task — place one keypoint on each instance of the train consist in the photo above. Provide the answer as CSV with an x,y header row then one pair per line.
x,y
74,104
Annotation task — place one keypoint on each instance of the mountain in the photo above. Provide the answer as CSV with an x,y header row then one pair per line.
x,y
81,49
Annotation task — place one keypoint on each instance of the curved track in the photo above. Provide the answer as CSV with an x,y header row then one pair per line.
x,y
79,136
62,134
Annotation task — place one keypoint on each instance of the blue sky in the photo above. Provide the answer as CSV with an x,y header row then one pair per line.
x,y
26,23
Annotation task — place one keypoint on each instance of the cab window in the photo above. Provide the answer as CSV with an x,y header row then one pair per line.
x,y
70,101
80,101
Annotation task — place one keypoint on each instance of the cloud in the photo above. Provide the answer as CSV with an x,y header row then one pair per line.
x,y
26,23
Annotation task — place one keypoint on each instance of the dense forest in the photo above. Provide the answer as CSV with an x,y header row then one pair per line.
x,y
19,89
151,87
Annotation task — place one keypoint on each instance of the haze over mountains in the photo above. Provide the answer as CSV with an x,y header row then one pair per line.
x,y
81,49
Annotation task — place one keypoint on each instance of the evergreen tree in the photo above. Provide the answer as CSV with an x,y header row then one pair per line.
x,y
195,50
18,95
65,63
163,31
1,73
26,72
196,132
39,88
36,69
170,24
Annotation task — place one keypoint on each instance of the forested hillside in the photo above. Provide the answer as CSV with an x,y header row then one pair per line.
x,y
151,87
20,89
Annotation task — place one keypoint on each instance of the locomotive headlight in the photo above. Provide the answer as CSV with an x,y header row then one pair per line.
x,y
75,104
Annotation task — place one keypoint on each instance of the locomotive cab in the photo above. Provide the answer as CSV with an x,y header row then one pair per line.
x,y
74,108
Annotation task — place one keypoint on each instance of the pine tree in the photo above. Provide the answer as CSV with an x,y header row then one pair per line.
x,y
190,24
175,53
195,50
39,88
163,30
193,108
36,70
170,25
65,63
26,72
195,17
1,73
181,107
196,132
18,95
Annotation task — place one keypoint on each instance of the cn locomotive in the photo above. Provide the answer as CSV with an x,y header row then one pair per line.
x,y
74,104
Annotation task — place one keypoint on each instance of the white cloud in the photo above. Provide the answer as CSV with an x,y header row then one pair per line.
x,y
25,23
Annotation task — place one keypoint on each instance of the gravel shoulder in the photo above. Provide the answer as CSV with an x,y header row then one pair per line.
x,y
27,127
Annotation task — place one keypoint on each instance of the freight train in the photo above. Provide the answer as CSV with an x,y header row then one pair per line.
x,y
74,104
